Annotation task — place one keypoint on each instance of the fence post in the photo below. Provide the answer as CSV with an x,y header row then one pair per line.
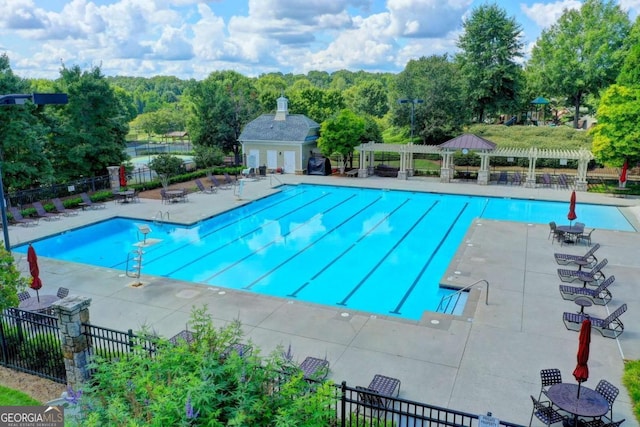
x,y
343,403
72,312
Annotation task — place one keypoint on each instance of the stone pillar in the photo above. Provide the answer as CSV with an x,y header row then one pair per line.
x,y
114,177
483,177
72,311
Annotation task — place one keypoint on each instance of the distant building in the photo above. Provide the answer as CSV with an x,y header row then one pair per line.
x,y
280,140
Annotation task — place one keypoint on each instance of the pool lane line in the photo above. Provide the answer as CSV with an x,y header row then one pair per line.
x,y
277,239
383,259
151,249
426,265
343,253
240,237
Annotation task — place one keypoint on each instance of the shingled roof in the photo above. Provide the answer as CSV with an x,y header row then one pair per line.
x,y
470,142
296,127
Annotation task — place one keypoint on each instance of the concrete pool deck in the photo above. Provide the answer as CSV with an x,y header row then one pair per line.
x,y
489,359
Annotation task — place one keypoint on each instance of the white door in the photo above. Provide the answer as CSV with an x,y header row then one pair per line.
x,y
289,162
272,159
254,158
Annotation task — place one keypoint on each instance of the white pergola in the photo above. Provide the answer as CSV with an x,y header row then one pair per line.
x,y
406,151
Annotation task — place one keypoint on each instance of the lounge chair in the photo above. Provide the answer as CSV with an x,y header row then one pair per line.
x,y
517,179
61,209
17,217
563,182
587,260
593,277
503,178
203,189
42,212
314,368
545,413
228,180
87,202
599,296
610,327
546,180
218,184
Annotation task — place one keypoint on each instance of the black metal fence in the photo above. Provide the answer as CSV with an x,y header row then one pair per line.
x,y
30,342
27,197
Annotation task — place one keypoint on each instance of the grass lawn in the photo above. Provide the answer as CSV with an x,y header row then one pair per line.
x,y
10,397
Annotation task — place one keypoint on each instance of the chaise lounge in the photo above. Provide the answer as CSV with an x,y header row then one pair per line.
x,y
587,260
610,327
593,277
599,296
42,212
17,217
61,209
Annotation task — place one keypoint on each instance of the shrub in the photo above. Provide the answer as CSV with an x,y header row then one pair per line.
x,y
42,352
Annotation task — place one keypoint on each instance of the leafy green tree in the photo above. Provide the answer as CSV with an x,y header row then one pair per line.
x,y
630,72
201,384
317,104
206,157
368,97
166,165
581,54
436,81
10,280
341,134
23,135
490,47
92,129
616,135
270,87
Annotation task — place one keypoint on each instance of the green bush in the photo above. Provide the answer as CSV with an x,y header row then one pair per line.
x,y
196,384
42,352
631,380
12,340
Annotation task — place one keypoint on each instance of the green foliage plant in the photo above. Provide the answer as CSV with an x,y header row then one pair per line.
x,y
198,384
43,352
11,282
341,134
631,380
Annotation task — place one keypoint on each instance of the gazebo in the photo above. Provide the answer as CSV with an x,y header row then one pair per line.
x,y
465,143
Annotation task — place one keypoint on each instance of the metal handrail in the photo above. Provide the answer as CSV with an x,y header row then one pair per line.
x,y
271,178
459,292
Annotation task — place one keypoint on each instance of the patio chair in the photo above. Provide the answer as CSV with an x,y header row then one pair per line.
x,y
203,189
563,182
314,368
184,335
599,296
610,327
546,180
376,395
42,212
87,202
17,217
23,296
62,292
593,277
586,237
610,392
503,178
242,350
553,231
600,423
549,377
57,203
587,260
545,413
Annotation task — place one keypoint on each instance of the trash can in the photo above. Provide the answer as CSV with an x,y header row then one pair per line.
x,y
262,170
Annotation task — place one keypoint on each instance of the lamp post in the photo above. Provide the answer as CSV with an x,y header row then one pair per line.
x,y
19,99
413,103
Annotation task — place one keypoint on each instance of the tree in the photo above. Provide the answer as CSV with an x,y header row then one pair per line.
x,y
92,127
490,45
436,81
317,104
341,134
581,54
368,97
630,72
616,135
165,165
10,280
23,135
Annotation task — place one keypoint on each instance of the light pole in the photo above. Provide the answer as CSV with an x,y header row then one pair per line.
x,y
19,99
413,103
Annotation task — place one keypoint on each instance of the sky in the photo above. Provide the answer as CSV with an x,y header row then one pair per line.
x,y
192,38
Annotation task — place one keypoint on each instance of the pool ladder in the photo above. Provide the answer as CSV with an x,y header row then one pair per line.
x,y
446,302
160,217
134,262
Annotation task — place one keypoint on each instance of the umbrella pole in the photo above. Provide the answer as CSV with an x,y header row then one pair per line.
x,y
579,384
38,295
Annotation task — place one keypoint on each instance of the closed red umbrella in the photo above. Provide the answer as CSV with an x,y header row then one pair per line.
x,y
32,259
572,207
123,176
623,174
581,373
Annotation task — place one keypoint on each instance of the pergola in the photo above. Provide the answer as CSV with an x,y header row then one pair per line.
x,y
482,147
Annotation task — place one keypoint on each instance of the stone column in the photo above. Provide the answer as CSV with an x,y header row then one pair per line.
x,y
72,311
114,177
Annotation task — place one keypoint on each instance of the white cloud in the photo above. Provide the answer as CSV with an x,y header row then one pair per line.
x,y
426,18
545,15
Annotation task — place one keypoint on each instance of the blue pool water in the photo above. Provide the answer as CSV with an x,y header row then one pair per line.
x,y
378,251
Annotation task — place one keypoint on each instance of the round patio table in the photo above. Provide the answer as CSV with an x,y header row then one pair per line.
x,y
570,230
590,404
32,304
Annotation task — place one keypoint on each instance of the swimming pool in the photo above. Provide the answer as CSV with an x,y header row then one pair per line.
x,y
378,251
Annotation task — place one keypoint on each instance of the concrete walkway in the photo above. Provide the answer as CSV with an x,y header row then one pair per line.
x,y
489,359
